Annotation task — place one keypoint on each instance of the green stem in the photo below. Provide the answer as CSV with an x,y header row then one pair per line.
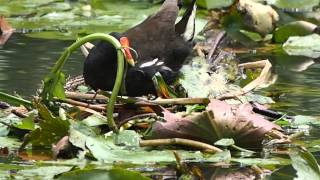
x,y
105,37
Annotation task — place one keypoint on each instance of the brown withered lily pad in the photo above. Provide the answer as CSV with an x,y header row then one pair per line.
x,y
220,120
5,30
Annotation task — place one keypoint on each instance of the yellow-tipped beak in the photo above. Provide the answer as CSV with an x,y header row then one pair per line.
x,y
130,61
124,41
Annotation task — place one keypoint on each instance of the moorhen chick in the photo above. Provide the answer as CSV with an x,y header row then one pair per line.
x,y
161,45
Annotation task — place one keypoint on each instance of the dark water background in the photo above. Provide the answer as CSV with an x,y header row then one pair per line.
x,y
25,61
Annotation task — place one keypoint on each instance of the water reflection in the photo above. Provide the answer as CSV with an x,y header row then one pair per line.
x,y
24,62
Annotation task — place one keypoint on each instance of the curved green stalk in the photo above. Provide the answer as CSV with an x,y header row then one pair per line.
x,y
120,68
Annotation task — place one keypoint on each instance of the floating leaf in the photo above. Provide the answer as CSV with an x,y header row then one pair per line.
x,y
98,174
296,28
10,143
127,138
7,121
51,128
303,46
47,172
262,161
306,120
305,164
95,120
26,123
212,4
305,5
104,149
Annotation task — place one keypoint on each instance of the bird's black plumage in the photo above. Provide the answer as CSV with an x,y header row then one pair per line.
x,y
158,38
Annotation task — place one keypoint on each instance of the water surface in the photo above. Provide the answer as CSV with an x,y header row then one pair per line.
x,y
25,61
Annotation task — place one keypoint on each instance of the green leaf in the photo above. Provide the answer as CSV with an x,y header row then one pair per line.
x,y
127,138
262,161
303,46
99,174
9,142
214,4
51,129
54,86
14,100
47,172
104,149
95,120
305,164
194,108
306,120
26,123
297,28
7,121
305,5
79,133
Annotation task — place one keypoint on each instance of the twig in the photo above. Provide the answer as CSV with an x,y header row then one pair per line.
x,y
77,95
263,77
241,149
181,167
216,43
19,114
141,101
181,101
91,111
180,141
86,105
265,64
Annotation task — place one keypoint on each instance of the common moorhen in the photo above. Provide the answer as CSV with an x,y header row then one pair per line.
x,y
161,44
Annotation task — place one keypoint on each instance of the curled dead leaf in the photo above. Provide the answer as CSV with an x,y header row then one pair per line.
x,y
220,120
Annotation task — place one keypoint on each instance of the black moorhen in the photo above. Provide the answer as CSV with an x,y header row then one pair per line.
x,y
161,44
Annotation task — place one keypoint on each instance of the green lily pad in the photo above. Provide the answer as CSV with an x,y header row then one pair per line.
x,y
104,149
98,174
305,164
10,143
51,128
297,28
306,120
305,5
308,46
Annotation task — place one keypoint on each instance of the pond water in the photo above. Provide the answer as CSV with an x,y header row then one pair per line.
x,y
25,61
